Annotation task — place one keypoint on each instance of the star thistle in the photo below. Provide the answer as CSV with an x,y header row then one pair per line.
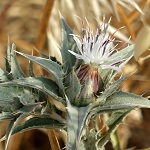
x,y
97,50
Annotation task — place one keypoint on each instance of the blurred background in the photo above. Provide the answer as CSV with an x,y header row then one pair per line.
x,y
36,24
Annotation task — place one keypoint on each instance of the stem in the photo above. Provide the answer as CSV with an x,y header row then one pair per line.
x,y
115,141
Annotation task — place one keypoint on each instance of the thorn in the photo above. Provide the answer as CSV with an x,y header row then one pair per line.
x,y
60,15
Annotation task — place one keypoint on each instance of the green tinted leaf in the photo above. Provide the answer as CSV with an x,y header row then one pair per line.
x,y
38,122
106,75
68,43
7,59
43,84
28,108
6,115
31,73
126,54
49,65
15,68
3,76
125,100
12,125
120,101
74,89
110,90
9,100
113,122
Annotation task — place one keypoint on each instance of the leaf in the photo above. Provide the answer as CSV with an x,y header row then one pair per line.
x,y
15,69
43,84
7,59
126,54
49,65
30,69
6,115
3,76
68,43
25,112
75,87
123,100
113,122
106,75
37,122
28,108
110,90
120,101
9,100
11,126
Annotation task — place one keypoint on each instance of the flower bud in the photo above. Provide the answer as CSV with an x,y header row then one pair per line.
x,y
91,83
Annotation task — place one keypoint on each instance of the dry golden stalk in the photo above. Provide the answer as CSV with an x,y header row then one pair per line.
x,y
53,140
126,22
44,24
132,16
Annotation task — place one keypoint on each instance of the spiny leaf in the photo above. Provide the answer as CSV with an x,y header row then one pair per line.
x,y
113,122
3,76
110,90
11,126
37,122
49,65
25,112
126,100
15,68
28,108
7,59
68,43
6,115
119,101
43,84
126,54
9,100
106,75
31,73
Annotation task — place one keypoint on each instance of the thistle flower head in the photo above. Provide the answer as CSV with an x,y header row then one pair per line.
x,y
97,49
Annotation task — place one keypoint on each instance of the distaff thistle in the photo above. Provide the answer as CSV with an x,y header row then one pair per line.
x,y
97,52
86,88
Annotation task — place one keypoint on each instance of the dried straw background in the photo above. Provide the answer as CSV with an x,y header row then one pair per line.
x,y
36,24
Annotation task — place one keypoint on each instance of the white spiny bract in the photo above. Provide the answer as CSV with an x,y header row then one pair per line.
x,y
97,50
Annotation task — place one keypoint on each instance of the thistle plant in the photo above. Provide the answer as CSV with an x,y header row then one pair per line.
x,y
84,83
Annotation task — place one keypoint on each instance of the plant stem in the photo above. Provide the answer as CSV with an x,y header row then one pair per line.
x,y
115,141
